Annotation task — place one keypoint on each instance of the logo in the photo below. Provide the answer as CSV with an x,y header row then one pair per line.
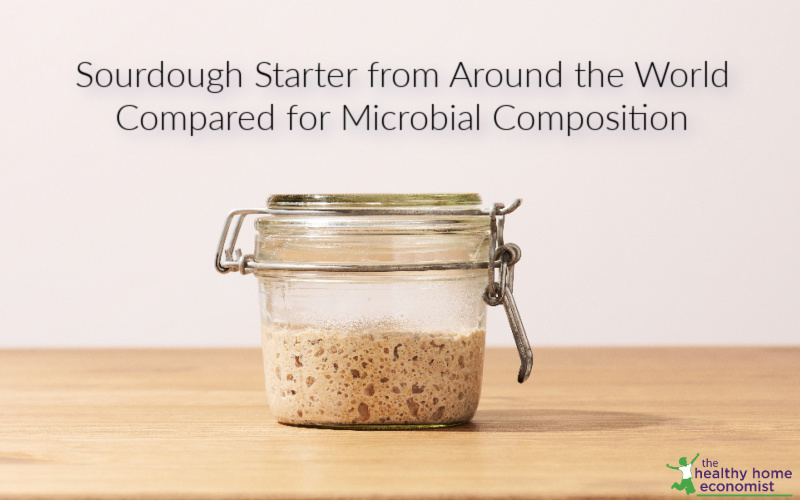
x,y
720,480
686,470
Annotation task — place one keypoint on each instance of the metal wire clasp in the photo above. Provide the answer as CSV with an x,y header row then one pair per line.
x,y
500,288
231,258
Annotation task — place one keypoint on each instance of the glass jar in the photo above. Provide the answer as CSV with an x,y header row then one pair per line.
x,y
373,307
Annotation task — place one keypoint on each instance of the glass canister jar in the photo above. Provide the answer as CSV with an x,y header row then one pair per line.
x,y
373,306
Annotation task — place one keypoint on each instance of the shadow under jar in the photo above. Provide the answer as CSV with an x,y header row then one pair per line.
x,y
373,306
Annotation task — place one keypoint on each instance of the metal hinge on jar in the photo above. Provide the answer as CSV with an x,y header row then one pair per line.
x,y
499,290
504,258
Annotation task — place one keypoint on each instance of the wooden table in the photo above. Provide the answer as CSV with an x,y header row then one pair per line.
x,y
591,422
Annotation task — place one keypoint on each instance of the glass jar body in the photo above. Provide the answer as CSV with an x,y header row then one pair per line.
x,y
373,349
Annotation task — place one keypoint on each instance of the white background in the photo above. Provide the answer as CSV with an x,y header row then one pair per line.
x,y
628,238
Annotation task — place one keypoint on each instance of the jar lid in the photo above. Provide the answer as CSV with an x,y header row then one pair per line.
x,y
371,214
372,201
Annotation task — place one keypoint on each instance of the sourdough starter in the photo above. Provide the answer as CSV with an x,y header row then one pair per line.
x,y
330,377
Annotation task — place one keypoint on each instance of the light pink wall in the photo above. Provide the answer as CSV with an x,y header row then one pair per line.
x,y
684,238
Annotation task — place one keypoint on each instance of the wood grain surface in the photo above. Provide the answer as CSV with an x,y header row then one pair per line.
x,y
591,423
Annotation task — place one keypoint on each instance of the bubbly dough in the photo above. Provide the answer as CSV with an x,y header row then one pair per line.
x,y
331,377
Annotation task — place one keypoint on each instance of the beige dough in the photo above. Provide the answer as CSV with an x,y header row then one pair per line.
x,y
331,377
